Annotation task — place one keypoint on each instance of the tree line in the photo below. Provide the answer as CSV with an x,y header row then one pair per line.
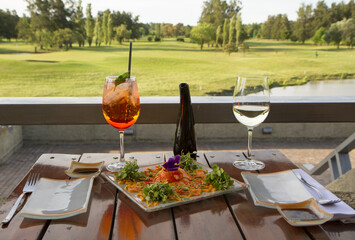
x,y
54,23
322,24
220,24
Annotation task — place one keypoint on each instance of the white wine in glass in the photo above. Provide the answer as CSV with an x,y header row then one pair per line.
x,y
251,106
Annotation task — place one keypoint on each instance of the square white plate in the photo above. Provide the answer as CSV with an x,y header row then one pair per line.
x,y
280,187
142,204
56,199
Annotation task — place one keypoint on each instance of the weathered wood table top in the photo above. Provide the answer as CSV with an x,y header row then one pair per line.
x,y
111,215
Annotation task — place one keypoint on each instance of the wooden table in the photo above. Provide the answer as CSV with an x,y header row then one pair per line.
x,y
111,215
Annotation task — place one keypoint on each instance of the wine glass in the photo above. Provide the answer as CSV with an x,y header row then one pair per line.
x,y
121,107
251,105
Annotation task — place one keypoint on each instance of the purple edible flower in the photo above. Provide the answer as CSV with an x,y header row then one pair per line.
x,y
172,163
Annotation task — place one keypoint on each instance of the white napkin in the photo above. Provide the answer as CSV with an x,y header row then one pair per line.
x,y
339,210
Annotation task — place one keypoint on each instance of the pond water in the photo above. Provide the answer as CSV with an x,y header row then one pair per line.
x,y
318,88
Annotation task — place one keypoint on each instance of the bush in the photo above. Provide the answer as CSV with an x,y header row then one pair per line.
x,y
343,76
157,39
150,38
293,38
230,47
244,47
180,39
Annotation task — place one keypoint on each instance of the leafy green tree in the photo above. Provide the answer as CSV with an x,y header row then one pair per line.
x,y
44,38
239,29
49,16
131,22
243,35
180,29
60,14
24,29
267,27
232,31
351,6
79,26
219,38
225,32
8,22
318,36
335,13
285,28
142,31
254,30
64,37
321,16
215,12
168,30
40,15
89,25
275,29
333,35
128,34
157,28
303,25
121,33
347,27
203,33
110,28
187,30
98,31
104,27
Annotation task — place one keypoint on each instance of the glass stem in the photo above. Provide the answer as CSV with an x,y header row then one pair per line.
x,y
121,145
250,138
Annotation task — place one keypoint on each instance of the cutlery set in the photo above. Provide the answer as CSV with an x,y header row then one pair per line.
x,y
33,178
28,188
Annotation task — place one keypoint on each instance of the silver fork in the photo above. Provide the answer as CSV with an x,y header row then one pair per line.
x,y
28,188
321,200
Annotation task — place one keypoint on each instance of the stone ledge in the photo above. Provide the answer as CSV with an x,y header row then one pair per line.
x,y
10,139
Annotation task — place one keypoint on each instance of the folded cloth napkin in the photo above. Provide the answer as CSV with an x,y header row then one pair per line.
x,y
340,210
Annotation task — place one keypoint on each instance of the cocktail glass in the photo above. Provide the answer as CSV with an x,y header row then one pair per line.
x,y
121,107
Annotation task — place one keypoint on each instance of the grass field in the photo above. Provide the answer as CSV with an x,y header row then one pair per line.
x,y
160,67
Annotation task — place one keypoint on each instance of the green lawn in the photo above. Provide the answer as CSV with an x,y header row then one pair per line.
x,y
160,67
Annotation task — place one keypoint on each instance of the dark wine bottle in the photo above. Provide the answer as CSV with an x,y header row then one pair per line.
x,y
185,138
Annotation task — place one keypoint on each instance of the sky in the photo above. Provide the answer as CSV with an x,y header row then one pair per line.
x,y
183,11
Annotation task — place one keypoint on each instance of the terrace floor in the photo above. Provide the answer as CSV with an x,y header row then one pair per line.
x,y
299,152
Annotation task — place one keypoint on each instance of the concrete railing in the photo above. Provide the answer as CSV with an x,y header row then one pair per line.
x,y
81,119
163,110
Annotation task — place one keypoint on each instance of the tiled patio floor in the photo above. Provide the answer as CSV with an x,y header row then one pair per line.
x,y
17,165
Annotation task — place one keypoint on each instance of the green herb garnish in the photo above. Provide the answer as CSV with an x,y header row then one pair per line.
x,y
121,78
130,172
219,178
158,192
188,163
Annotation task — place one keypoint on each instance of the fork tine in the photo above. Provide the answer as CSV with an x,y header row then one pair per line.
x,y
37,178
28,180
33,179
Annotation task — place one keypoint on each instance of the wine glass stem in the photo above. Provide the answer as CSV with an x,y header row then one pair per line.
x,y
121,145
250,138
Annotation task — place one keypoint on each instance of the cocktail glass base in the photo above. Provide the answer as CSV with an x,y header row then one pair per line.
x,y
114,167
249,165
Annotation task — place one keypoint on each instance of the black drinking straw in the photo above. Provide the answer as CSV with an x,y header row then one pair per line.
x,y
129,60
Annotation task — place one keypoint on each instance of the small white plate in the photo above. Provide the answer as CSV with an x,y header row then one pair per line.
x,y
84,170
307,213
56,199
